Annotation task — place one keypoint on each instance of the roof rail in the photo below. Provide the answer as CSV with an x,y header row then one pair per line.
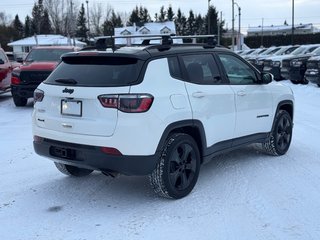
x,y
104,42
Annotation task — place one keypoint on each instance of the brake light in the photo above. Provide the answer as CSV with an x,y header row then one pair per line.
x,y
38,95
15,78
130,103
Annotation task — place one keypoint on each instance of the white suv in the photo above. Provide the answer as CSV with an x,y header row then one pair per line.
x,y
157,110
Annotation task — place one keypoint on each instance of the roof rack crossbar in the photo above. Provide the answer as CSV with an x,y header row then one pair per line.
x,y
104,42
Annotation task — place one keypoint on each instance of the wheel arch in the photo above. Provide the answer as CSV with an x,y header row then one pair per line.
x,y
286,105
194,128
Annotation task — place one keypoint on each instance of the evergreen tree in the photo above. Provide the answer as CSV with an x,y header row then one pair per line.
x,y
109,24
144,15
134,17
190,25
18,28
37,15
45,23
180,23
170,14
162,15
27,27
199,25
213,14
81,24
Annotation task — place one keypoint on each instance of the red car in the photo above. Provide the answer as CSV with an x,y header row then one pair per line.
x,y
5,72
37,66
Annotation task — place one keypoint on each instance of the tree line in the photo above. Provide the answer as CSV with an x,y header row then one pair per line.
x,y
70,19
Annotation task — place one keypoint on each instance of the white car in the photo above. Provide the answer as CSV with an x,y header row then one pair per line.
x,y
157,110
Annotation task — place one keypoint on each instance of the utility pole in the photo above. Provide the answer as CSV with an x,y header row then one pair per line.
x,y
219,28
292,30
88,15
209,17
239,33
232,31
262,33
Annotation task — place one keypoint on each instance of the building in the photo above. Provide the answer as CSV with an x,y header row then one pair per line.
x,y
152,28
23,46
281,30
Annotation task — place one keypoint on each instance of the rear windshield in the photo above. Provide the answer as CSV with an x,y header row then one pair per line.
x,y
44,55
96,71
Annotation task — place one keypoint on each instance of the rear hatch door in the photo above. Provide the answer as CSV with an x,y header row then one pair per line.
x,y
71,92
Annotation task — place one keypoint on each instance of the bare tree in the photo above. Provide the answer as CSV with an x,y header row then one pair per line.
x,y
4,19
96,17
63,15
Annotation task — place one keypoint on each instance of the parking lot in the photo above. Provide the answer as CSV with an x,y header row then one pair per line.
x,y
241,195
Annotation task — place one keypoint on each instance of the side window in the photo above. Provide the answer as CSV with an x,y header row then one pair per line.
x,y
201,69
237,71
174,67
2,57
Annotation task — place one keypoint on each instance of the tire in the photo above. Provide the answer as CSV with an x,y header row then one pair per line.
x,y
280,138
318,84
72,171
20,101
178,168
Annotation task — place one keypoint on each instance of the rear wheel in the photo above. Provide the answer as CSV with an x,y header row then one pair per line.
x,y
280,139
72,171
178,168
318,84
19,101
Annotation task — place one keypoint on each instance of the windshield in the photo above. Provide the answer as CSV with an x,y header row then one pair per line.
x,y
46,55
299,50
317,51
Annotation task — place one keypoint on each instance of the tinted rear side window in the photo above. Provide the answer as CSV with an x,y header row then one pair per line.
x,y
97,71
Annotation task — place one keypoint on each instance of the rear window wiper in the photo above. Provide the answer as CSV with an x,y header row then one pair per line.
x,y
66,81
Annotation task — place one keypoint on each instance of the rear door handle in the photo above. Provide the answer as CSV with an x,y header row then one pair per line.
x,y
198,94
241,93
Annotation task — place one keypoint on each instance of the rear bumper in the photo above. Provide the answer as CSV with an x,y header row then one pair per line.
x,y
25,91
92,157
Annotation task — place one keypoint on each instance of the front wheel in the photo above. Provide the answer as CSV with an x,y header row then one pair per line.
x,y
178,168
72,171
280,138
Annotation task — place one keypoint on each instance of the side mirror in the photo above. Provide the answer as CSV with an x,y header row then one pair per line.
x,y
1,61
266,77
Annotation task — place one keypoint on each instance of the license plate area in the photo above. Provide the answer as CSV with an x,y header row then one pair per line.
x,y
60,152
71,107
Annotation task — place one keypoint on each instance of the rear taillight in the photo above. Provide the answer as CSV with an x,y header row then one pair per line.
x,y
130,103
15,78
38,95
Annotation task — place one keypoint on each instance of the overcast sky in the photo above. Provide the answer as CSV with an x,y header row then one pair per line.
x,y
273,12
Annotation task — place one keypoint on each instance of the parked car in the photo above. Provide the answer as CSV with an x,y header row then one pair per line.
x,y
294,67
5,72
157,110
14,62
312,73
37,66
273,64
258,60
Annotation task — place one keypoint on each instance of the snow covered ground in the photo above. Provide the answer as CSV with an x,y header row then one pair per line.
x,y
241,195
